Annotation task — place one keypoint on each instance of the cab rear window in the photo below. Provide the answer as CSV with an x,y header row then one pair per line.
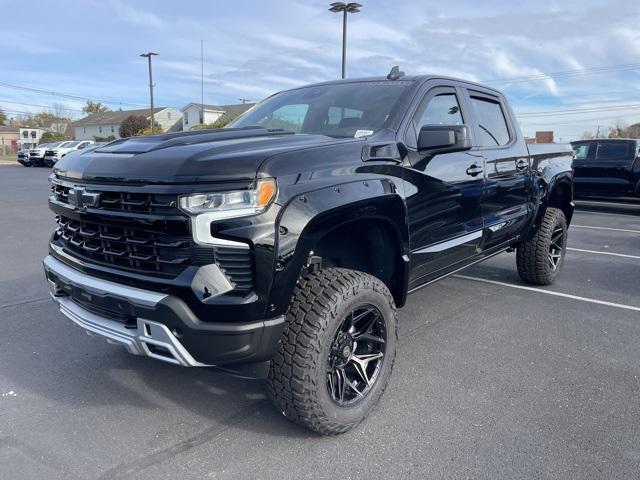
x,y
612,150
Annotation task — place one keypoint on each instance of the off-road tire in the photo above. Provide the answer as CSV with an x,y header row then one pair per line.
x,y
298,374
532,256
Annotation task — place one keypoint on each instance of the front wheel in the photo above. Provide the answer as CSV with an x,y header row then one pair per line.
x,y
337,350
540,258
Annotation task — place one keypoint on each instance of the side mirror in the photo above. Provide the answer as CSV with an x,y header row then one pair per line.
x,y
435,139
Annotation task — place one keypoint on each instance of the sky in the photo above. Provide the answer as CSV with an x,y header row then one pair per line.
x,y
568,66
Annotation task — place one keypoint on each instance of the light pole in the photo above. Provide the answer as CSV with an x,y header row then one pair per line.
x,y
345,8
149,55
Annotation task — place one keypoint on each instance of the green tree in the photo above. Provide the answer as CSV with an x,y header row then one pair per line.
x,y
3,117
50,137
94,107
157,129
221,122
110,138
133,125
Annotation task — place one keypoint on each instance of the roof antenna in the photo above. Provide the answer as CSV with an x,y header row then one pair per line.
x,y
395,73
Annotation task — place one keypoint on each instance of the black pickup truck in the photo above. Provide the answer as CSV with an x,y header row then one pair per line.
x,y
607,167
281,247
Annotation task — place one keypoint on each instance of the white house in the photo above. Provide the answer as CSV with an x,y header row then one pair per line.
x,y
29,137
194,114
106,124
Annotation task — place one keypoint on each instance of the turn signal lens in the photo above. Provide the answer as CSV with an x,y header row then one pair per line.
x,y
265,192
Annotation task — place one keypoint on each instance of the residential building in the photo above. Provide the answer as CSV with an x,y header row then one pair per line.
x,y
194,114
29,137
106,124
9,136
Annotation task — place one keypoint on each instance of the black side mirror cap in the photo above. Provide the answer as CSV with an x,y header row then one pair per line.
x,y
434,139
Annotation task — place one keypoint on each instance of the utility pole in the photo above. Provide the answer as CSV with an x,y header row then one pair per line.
x,y
598,132
202,81
345,8
244,100
149,55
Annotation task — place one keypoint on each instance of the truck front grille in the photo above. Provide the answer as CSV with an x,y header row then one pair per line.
x,y
132,248
147,203
140,232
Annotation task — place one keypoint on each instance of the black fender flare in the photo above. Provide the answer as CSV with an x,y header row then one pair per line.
x,y
548,183
308,217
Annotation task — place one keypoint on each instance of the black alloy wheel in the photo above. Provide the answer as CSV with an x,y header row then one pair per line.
x,y
356,355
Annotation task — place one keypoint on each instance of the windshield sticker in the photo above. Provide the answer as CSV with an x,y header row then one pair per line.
x,y
362,133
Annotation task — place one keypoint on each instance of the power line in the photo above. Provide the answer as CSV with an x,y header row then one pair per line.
x,y
580,72
65,95
41,106
551,113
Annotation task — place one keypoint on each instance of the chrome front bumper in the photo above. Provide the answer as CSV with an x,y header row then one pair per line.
x,y
148,338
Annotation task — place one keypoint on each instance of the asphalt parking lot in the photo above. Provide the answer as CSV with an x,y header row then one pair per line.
x,y
492,380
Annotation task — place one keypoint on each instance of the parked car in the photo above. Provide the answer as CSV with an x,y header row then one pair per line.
x,y
52,155
89,148
36,155
607,167
281,247
23,158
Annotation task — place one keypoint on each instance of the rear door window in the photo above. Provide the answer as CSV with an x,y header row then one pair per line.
x,y
613,151
491,122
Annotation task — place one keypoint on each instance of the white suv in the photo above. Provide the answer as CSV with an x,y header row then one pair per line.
x,y
51,156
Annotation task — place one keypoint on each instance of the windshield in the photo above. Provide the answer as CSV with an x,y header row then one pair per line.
x,y
69,144
338,110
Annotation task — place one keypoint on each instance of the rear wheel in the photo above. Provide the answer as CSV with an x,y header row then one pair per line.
x,y
337,350
540,258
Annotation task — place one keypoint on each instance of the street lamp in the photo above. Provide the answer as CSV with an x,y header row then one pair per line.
x,y
149,55
345,8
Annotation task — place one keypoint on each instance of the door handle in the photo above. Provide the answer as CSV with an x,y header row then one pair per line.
x,y
522,164
475,170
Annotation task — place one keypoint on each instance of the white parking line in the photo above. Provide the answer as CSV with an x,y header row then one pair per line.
x,y
549,292
604,253
630,202
629,215
605,228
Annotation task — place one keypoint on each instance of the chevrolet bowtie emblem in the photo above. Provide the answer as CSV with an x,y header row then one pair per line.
x,y
80,198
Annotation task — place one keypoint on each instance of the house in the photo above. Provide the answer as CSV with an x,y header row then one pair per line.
x,y
106,124
194,114
9,136
29,137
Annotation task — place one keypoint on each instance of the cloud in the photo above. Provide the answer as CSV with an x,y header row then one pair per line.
x,y
253,49
136,16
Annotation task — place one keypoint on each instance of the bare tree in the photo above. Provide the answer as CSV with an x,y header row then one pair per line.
x,y
617,131
588,135
632,131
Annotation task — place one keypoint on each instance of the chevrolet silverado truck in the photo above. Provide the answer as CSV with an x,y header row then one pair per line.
x,y
608,167
52,155
36,155
280,247
23,157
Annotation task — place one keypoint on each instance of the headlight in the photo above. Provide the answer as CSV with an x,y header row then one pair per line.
x,y
231,204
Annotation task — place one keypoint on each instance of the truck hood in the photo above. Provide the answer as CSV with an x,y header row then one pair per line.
x,y
189,157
